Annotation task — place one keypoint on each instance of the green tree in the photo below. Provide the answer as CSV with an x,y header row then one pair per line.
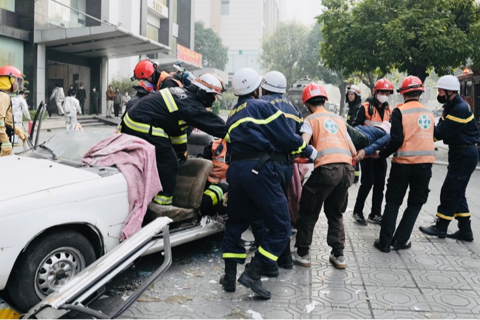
x,y
123,84
373,37
283,50
210,46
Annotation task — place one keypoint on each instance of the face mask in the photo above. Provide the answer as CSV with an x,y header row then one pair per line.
x,y
382,99
93,90
81,87
210,99
442,99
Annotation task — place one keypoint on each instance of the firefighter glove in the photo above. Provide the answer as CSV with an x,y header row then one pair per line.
x,y
6,149
182,157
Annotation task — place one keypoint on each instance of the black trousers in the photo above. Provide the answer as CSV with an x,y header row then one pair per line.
x,y
404,176
461,165
327,186
374,172
116,109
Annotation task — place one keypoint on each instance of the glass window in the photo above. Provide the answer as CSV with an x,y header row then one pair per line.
x,y
152,32
61,15
8,5
468,88
225,7
11,52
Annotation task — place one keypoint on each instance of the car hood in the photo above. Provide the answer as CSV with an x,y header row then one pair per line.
x,y
24,175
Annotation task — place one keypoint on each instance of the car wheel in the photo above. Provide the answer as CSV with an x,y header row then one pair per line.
x,y
47,264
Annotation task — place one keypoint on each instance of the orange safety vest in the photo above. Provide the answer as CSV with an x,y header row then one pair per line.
x,y
164,75
418,125
329,138
375,119
219,171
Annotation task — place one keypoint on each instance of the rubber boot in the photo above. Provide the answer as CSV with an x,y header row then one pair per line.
x,y
228,279
250,278
270,271
285,260
438,229
464,231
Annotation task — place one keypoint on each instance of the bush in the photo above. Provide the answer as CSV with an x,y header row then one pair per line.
x,y
124,84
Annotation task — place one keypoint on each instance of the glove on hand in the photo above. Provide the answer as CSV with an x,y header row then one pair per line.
x,y
313,155
6,149
182,157
23,136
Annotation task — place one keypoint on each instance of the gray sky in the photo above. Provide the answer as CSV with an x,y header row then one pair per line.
x,y
303,10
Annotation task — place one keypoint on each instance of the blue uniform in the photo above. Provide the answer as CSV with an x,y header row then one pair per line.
x,y
257,130
458,129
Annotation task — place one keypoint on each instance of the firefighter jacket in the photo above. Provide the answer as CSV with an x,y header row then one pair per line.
x,y
169,112
294,117
457,126
141,92
329,138
371,114
417,125
254,125
6,117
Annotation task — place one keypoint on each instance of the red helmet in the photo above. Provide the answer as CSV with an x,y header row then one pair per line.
x,y
15,76
313,90
144,69
146,85
383,85
411,83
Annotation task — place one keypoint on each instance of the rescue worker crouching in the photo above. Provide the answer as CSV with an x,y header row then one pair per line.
x,y
373,112
411,142
163,118
329,182
354,101
256,130
10,80
457,128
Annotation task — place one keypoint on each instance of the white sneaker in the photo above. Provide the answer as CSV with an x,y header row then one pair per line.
x,y
338,262
302,261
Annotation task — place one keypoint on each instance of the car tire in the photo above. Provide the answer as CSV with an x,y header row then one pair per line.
x,y
46,265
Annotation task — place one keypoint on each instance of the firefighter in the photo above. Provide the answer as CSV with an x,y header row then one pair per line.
x,y
329,182
373,112
354,101
163,118
458,129
10,80
411,143
256,130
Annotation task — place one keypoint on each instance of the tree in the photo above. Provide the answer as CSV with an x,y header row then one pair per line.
x,y
210,46
283,50
123,84
377,36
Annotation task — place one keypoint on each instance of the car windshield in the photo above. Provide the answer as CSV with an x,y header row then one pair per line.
x,y
72,145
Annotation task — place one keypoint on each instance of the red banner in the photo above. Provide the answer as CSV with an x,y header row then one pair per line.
x,y
189,56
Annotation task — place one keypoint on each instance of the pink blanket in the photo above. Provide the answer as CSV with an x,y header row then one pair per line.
x,y
295,190
135,158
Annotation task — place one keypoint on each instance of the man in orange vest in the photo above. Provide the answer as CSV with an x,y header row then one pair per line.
x,y
411,142
329,181
373,112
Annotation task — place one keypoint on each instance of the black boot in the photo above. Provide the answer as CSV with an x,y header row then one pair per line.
x,y
464,231
250,278
228,279
438,229
270,271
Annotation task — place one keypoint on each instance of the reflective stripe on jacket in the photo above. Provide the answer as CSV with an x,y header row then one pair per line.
x,y
418,125
219,171
330,138
375,119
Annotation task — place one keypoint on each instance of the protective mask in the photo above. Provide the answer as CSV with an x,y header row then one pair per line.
x,y
93,90
382,99
209,100
442,99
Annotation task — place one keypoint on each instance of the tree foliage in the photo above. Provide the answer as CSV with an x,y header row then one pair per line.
x,y
210,46
376,36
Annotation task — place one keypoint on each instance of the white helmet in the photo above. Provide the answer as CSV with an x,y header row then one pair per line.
x,y
449,83
209,82
275,81
355,89
245,81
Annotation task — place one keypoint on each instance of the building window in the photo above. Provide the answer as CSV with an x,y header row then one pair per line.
x,y
8,5
62,14
225,7
152,32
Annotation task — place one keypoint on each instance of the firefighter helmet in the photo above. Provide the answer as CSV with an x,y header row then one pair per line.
x,y
245,81
383,85
410,84
209,82
313,90
14,76
275,81
144,69
355,89
449,83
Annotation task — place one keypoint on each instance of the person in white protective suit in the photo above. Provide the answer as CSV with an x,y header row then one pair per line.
x,y
72,106
58,96
20,109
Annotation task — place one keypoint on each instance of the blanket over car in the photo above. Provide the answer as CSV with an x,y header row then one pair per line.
x,y
135,158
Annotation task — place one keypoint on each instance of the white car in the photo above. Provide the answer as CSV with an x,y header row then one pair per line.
x,y
57,217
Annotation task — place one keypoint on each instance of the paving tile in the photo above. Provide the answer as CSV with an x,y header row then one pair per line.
x,y
453,301
400,299
341,313
440,279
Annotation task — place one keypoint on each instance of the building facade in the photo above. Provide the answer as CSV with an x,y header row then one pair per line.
x,y
241,24
90,42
